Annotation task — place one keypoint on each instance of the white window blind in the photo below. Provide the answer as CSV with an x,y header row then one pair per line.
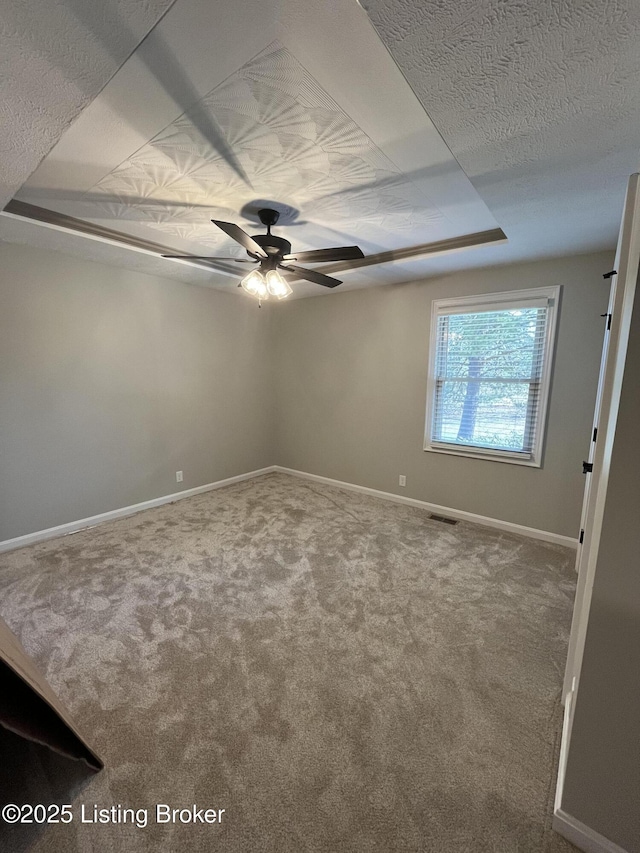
x,y
489,374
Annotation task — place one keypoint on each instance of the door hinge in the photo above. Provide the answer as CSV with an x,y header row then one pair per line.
x,y
587,467
609,274
595,433
608,316
581,539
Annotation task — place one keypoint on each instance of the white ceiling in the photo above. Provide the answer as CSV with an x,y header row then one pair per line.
x,y
55,57
302,104
538,100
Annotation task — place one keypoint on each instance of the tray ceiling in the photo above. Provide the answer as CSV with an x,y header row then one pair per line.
x,y
290,140
227,105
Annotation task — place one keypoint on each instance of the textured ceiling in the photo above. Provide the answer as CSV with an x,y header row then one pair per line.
x,y
209,116
308,105
539,102
55,57
290,139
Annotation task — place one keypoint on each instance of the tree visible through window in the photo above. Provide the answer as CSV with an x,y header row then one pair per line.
x,y
489,373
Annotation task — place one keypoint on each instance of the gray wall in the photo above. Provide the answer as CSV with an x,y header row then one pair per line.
x,y
111,381
602,786
351,374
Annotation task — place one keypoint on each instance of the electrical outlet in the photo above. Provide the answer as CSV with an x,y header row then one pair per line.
x,y
402,480
178,476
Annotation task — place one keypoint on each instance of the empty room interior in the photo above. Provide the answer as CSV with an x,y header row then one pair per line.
x,y
319,370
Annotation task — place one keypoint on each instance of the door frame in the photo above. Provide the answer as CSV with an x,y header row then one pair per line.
x,y
627,265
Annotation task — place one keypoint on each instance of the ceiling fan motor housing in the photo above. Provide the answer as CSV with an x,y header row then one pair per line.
x,y
275,247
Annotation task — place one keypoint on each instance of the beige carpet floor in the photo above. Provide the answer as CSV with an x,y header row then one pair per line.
x,y
337,672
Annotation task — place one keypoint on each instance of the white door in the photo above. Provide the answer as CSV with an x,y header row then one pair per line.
x,y
623,289
590,487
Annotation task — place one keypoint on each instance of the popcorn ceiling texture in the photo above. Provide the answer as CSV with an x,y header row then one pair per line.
x,y
539,101
308,132
55,58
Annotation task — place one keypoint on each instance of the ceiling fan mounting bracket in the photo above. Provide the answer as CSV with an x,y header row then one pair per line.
x,y
268,216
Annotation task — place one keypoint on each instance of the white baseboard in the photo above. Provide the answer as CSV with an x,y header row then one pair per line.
x,y
73,526
462,515
81,524
583,836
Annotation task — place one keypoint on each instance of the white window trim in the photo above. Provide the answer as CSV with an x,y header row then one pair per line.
x,y
550,296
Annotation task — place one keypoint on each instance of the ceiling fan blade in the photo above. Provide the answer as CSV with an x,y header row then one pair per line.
x,y
493,236
210,258
316,256
236,233
311,275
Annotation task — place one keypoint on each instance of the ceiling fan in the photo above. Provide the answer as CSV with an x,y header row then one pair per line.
x,y
279,256
273,254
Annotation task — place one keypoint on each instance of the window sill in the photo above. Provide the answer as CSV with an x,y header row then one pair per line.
x,y
488,455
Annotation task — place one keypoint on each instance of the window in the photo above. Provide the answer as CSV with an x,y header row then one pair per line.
x,y
489,374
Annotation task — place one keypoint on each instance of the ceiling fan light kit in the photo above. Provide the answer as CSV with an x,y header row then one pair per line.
x,y
263,286
255,285
276,285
